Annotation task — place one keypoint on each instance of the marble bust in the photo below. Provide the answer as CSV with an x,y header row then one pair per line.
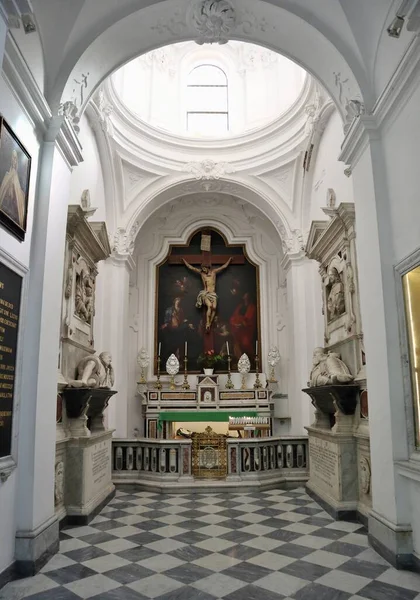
x,y
335,299
328,369
95,372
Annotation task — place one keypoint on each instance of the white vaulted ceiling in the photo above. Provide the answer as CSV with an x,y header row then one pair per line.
x,y
96,36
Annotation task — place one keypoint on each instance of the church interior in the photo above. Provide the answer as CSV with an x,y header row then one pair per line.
x,y
209,300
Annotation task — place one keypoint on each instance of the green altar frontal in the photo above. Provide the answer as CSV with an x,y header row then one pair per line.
x,y
202,415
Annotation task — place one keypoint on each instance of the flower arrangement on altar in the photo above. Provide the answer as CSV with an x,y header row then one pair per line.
x,y
210,360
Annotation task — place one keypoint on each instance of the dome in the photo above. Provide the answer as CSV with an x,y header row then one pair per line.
x,y
210,91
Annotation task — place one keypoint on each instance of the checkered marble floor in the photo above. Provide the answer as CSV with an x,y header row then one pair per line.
x,y
259,546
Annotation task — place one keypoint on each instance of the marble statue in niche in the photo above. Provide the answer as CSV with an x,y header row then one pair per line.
x,y
364,474
83,301
328,369
335,295
95,372
59,483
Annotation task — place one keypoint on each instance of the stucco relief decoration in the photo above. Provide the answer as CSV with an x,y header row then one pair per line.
x,y
105,109
213,20
364,474
70,108
84,294
293,242
59,483
123,243
335,294
353,106
208,169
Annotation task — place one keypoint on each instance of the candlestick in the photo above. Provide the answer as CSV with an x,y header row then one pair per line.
x,y
229,383
257,384
158,384
185,385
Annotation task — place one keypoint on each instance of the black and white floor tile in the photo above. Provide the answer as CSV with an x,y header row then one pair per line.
x,y
276,545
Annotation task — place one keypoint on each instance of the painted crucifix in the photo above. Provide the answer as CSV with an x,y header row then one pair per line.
x,y
207,297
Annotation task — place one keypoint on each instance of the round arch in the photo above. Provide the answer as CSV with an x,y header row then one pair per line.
x,y
166,22
260,198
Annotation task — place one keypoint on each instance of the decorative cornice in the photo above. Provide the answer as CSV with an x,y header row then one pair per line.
x,y
404,79
363,129
90,236
122,260
62,133
22,82
293,259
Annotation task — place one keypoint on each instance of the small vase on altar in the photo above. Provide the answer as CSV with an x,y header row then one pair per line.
x,y
208,371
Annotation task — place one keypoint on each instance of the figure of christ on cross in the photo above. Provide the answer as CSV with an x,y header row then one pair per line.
x,y
208,296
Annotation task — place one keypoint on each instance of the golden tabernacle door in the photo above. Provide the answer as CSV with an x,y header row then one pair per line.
x,y
209,455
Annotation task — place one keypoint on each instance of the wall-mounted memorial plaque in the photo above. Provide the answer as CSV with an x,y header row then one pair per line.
x,y
10,293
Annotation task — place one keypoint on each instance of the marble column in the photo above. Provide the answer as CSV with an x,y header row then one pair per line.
x,y
304,302
36,524
390,522
114,327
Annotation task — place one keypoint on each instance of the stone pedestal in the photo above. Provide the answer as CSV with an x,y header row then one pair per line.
x,y
333,472
88,484
333,468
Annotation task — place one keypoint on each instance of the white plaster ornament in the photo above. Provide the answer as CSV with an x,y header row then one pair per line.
x,y
143,360
172,368
244,366
213,20
273,360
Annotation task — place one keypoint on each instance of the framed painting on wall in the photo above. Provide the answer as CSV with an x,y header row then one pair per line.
x,y
180,318
15,168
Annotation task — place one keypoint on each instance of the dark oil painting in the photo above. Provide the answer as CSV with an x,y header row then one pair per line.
x,y
178,320
15,166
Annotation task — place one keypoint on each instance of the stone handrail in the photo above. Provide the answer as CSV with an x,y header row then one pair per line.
x,y
166,464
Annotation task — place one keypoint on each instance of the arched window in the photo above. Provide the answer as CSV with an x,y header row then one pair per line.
x,y
207,101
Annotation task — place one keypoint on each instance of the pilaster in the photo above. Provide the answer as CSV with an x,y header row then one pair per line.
x,y
115,286
305,332
389,528
36,524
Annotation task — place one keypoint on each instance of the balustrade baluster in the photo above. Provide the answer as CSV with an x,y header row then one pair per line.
x,y
162,460
173,460
289,456
147,459
139,458
129,457
118,458
154,460
265,458
300,456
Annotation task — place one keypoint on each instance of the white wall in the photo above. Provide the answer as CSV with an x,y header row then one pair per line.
x,y
12,112
327,172
88,174
401,152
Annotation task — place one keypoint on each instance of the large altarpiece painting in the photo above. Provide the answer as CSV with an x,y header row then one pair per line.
x,y
236,322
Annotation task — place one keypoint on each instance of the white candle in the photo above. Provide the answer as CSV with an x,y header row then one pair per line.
x,y
227,346
256,348
159,348
186,346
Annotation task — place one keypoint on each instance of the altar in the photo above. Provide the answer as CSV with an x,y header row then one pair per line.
x,y
237,413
